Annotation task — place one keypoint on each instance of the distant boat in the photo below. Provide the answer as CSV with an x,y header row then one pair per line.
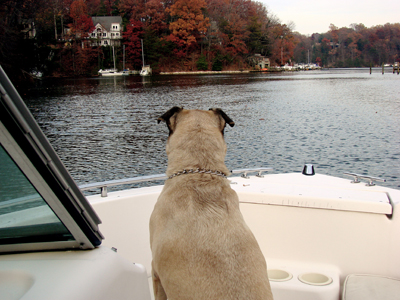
x,y
114,71
36,74
146,69
109,72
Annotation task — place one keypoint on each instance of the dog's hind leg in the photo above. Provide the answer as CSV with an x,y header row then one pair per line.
x,y
159,293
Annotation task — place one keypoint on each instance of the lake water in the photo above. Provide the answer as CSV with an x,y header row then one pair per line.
x,y
338,120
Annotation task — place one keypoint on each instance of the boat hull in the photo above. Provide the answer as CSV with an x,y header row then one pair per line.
x,y
303,224
115,74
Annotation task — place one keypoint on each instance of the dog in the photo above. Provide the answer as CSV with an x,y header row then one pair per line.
x,y
201,246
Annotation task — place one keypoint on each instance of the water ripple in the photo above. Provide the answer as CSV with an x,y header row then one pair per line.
x,y
339,120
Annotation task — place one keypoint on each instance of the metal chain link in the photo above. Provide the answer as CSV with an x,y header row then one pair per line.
x,y
199,171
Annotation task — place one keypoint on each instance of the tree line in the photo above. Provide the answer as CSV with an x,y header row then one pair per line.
x,y
177,35
354,46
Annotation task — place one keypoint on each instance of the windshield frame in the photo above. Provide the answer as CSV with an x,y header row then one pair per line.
x,y
27,146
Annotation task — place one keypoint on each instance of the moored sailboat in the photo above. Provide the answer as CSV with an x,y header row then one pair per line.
x,y
114,71
146,69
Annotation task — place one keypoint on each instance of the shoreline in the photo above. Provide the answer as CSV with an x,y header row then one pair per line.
x,y
203,72
271,70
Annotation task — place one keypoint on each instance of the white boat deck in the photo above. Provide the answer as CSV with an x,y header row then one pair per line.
x,y
318,191
318,224
313,231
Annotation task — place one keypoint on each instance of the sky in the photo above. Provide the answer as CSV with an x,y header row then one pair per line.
x,y
311,16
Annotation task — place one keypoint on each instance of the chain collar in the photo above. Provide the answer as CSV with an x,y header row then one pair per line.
x,y
199,171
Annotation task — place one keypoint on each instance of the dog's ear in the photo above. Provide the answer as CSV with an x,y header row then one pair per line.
x,y
167,117
224,116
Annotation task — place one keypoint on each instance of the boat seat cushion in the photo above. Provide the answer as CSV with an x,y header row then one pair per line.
x,y
371,287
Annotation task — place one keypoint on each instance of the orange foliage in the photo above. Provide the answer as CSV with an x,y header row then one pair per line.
x,y
284,45
189,23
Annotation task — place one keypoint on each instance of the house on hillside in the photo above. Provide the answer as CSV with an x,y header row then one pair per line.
x,y
259,61
107,32
27,28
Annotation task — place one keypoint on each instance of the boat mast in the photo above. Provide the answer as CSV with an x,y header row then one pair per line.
x,y
123,62
141,40
114,57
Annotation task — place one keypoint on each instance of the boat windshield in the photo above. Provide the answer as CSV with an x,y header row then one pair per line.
x,y
41,207
24,216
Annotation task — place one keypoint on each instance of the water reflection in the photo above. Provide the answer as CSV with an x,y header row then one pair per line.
x,y
105,128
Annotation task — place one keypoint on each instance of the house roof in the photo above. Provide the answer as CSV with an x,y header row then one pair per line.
x,y
106,21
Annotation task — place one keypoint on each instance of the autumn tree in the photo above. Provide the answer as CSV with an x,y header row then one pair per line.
x,y
189,24
357,45
155,16
239,29
94,6
353,47
82,23
132,9
133,35
111,7
78,59
283,46
233,35
303,51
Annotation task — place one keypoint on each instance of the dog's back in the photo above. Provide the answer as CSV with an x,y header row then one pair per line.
x,y
202,248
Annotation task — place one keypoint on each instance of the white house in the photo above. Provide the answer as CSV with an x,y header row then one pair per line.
x,y
260,61
107,32
28,28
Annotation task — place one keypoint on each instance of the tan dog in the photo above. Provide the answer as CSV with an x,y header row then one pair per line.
x,y
201,246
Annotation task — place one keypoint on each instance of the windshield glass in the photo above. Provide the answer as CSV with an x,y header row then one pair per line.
x,y
24,216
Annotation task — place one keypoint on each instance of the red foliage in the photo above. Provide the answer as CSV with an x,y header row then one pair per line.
x,y
109,4
133,9
82,23
78,61
155,16
283,46
93,6
134,33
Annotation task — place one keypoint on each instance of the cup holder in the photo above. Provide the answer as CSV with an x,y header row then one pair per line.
x,y
279,275
315,279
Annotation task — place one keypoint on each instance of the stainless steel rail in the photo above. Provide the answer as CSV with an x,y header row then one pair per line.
x,y
245,171
105,184
370,179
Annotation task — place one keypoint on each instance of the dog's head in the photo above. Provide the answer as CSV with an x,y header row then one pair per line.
x,y
172,116
196,137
